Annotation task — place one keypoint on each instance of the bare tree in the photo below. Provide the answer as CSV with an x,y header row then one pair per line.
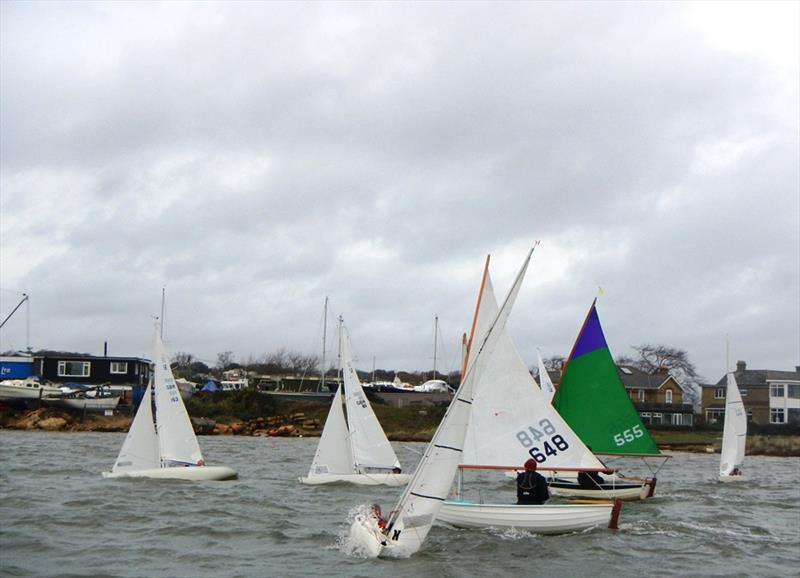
x,y
654,358
182,359
224,360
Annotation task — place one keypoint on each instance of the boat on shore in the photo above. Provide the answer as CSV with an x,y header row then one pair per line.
x,y
27,389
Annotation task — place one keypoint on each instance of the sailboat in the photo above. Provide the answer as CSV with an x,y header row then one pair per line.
x,y
595,404
512,421
416,510
354,450
545,383
734,434
169,449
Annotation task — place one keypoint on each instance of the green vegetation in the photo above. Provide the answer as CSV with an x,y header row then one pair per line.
x,y
232,406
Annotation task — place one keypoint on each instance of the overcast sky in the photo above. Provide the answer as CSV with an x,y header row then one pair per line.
x,y
254,158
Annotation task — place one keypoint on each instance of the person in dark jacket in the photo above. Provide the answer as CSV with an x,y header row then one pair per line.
x,y
590,480
531,485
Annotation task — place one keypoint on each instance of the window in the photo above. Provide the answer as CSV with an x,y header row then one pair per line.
x,y
793,391
73,368
719,393
677,418
119,367
714,415
742,392
793,415
776,416
646,417
641,395
656,418
668,399
776,390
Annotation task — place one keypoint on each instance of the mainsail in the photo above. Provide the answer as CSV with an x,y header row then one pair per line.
x,y
734,433
371,448
419,504
593,401
176,438
140,449
545,382
512,419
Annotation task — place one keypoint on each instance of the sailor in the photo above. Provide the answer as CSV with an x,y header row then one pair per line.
x,y
590,480
376,512
531,485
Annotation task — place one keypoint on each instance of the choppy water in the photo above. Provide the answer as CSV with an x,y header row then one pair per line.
x,y
58,517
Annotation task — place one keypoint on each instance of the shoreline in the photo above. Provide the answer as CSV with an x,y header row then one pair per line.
x,y
301,424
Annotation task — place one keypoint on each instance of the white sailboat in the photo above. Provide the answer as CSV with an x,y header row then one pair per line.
x,y
513,421
734,434
411,519
170,449
545,383
353,450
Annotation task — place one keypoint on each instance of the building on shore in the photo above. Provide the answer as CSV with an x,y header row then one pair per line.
x,y
770,396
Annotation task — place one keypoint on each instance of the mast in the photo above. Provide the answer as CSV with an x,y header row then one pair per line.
x,y
435,338
163,298
324,338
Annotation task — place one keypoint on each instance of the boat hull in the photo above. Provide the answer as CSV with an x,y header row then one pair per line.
x,y
13,389
89,403
194,473
605,492
358,479
725,479
544,519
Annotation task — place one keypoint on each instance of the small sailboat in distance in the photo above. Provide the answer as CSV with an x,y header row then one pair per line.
x,y
353,450
170,449
734,434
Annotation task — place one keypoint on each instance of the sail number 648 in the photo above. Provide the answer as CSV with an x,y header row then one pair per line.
x,y
550,447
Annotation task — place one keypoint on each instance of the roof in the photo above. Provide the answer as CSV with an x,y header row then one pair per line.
x,y
750,377
633,378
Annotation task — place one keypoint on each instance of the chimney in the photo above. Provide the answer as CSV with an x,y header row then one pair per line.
x,y
105,348
740,366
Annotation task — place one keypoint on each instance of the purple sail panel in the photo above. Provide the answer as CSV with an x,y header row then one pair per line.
x,y
591,336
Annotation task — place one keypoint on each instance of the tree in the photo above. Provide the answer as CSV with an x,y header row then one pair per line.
x,y
654,358
224,360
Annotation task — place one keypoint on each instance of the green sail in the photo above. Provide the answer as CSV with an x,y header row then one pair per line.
x,y
593,401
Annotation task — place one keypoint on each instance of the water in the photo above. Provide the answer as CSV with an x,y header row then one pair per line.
x,y
58,517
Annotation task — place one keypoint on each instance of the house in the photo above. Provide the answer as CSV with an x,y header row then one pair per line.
x,y
769,396
92,370
658,397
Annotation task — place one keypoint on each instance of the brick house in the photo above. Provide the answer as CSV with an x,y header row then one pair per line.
x,y
769,396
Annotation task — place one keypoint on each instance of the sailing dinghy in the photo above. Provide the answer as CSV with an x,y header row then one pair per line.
x,y
415,512
170,449
354,450
512,421
595,404
734,434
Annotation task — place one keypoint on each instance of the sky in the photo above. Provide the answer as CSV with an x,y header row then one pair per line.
x,y
250,159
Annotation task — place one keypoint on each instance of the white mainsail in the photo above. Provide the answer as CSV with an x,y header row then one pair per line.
x,y
177,442
734,433
545,383
513,420
418,506
371,448
140,448
333,452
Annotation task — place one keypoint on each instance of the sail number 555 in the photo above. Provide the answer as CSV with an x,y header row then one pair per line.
x,y
628,435
552,444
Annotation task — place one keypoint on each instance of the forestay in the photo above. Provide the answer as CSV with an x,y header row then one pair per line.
x,y
176,438
370,447
734,433
140,449
418,506
333,452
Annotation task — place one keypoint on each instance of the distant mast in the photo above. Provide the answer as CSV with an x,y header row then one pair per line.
x,y
163,299
435,339
324,339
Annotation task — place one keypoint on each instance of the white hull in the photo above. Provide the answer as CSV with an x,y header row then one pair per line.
x,y
726,479
25,389
640,492
358,479
90,403
544,519
193,473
